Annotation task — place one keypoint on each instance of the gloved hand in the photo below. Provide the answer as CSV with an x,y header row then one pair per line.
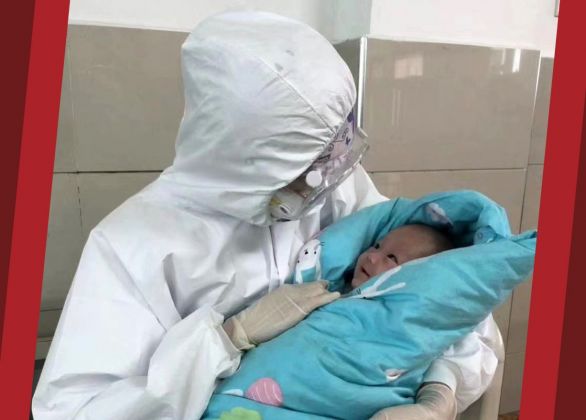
x,y
276,312
434,401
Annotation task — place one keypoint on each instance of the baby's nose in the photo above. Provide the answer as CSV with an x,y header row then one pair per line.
x,y
373,257
381,261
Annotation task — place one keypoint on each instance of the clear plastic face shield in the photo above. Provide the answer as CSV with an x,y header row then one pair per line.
x,y
329,170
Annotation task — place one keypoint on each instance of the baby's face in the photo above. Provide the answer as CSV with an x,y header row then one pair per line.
x,y
399,246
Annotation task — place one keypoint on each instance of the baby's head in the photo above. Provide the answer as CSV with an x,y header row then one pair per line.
x,y
403,244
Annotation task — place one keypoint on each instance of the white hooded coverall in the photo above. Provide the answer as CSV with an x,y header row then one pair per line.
x,y
140,335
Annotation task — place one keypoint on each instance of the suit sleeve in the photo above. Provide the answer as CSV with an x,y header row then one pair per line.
x,y
112,359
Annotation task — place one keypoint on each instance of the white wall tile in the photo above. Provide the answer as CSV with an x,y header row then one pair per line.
x,y
100,193
64,241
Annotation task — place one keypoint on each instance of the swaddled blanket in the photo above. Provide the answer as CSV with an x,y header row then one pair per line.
x,y
370,349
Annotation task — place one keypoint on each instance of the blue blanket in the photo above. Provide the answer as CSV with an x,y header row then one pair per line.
x,y
370,349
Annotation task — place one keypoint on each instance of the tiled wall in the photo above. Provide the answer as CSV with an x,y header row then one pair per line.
x,y
122,103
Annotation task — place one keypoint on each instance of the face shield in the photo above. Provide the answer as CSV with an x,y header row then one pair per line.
x,y
329,170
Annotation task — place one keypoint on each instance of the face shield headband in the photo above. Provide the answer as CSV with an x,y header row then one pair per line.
x,y
328,171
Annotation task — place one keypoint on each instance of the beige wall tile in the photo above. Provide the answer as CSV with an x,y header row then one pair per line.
x,y
65,148
532,197
438,106
504,186
522,296
43,345
519,318
64,241
541,113
48,322
512,383
350,51
102,193
127,96
501,316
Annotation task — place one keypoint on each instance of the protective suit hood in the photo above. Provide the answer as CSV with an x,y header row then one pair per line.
x,y
258,111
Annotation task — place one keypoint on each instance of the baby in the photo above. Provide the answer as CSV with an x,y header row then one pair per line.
x,y
403,244
368,352
371,350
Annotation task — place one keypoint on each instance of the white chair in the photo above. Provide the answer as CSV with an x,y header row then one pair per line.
x,y
487,407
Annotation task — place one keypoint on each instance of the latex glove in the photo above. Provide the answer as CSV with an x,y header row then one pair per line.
x,y
276,312
434,401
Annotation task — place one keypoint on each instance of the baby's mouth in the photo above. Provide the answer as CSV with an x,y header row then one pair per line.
x,y
365,272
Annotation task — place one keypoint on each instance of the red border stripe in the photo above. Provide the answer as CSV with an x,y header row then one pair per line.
x,y
572,369
31,207
552,277
14,78
27,174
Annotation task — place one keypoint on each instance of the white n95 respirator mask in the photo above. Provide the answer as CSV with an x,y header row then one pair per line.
x,y
329,170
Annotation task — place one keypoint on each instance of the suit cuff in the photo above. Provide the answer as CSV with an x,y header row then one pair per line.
x,y
443,372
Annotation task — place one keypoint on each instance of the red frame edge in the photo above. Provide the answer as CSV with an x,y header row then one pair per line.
x,y
23,285
557,266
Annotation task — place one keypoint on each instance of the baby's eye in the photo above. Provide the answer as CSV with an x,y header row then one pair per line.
x,y
376,246
392,257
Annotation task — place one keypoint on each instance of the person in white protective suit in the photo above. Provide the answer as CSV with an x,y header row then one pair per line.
x,y
141,335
